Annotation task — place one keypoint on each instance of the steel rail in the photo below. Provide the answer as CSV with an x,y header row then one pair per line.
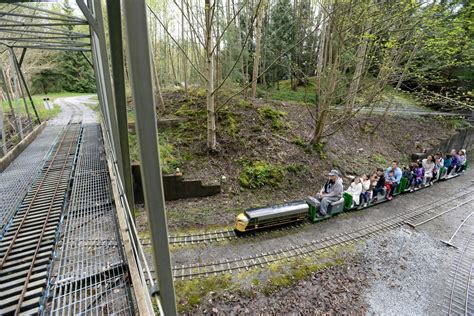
x,y
456,274
225,266
466,312
457,230
45,224
30,205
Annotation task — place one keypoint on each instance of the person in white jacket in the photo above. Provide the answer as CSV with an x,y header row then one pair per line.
x,y
428,165
355,190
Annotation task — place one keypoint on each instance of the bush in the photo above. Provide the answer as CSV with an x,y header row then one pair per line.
x,y
260,173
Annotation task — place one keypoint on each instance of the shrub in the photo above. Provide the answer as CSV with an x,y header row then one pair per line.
x,y
260,173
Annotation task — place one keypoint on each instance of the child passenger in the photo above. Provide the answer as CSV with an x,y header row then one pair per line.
x,y
355,190
388,184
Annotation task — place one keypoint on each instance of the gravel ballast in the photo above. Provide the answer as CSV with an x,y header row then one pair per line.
x,y
408,273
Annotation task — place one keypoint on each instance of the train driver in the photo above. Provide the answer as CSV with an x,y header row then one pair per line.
x,y
331,192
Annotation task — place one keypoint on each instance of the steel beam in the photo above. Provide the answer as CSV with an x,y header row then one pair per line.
x,y
63,48
3,143
116,53
42,17
39,38
87,59
41,24
20,73
23,53
10,104
142,90
43,10
54,32
17,82
47,43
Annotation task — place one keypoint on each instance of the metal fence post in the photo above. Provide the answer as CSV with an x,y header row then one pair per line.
x,y
138,52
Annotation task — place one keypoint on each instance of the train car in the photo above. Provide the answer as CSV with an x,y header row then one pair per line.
x,y
272,215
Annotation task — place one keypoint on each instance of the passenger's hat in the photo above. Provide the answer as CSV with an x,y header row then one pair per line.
x,y
333,173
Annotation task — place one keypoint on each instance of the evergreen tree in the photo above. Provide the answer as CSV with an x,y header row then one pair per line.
x,y
281,36
78,75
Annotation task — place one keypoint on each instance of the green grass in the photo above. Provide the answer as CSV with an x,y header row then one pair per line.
x,y
285,93
191,292
38,101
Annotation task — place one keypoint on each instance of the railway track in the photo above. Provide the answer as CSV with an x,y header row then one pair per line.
x,y
220,235
459,299
27,245
229,234
190,271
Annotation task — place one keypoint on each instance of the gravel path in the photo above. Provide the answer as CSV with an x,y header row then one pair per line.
x,y
69,104
408,273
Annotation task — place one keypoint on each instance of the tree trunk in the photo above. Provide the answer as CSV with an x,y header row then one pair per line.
x,y
258,38
360,59
184,44
211,115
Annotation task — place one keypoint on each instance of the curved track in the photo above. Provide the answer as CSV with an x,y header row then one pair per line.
x,y
245,263
460,297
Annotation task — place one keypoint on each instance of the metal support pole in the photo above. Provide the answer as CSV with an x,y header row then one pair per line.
x,y
17,105
87,59
138,52
20,73
3,143
9,99
23,53
94,11
116,51
17,83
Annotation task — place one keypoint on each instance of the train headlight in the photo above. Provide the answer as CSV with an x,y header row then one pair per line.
x,y
241,222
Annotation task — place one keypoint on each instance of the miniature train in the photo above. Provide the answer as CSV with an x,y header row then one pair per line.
x,y
298,211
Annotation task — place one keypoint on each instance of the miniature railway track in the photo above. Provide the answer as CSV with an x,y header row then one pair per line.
x,y
220,235
460,297
216,236
27,245
245,263
460,300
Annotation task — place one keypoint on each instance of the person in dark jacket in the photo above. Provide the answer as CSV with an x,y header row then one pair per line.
x,y
379,187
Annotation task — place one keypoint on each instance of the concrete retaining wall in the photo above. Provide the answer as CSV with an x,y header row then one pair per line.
x,y
462,139
18,149
175,187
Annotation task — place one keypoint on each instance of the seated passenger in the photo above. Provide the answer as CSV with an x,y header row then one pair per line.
x,y
331,192
409,174
441,159
428,166
462,160
454,161
380,184
389,180
366,192
419,174
437,168
397,176
355,190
